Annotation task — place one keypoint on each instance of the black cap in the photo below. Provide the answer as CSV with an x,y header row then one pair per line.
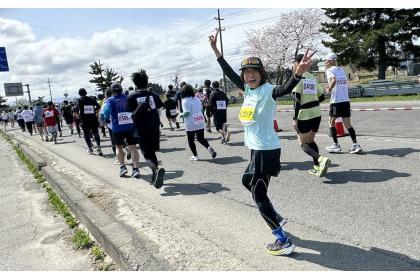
x,y
251,62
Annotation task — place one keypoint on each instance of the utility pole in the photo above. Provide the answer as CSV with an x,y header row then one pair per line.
x,y
49,85
29,93
221,44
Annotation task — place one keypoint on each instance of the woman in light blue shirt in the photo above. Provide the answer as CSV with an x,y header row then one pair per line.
x,y
257,114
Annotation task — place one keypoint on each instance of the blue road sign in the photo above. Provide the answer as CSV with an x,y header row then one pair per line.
x,y
4,67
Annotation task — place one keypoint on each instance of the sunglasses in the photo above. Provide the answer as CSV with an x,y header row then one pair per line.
x,y
251,60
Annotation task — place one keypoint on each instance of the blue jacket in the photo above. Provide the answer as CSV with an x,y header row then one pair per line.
x,y
116,109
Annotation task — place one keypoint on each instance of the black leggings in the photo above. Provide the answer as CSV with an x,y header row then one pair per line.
x,y
200,139
257,184
86,133
29,126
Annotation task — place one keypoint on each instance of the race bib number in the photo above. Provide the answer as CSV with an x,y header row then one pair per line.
x,y
48,114
173,112
198,118
151,101
341,83
88,109
246,114
309,86
124,118
221,105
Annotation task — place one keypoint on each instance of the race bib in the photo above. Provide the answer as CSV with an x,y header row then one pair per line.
x,y
221,105
151,101
173,112
341,83
246,114
141,100
198,118
309,86
88,109
124,118
48,114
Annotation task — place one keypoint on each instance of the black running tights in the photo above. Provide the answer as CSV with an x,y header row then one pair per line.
x,y
200,139
257,184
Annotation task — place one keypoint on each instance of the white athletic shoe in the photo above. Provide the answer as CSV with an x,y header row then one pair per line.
x,y
194,158
355,149
334,148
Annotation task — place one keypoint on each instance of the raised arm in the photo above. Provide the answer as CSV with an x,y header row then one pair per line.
x,y
302,67
235,78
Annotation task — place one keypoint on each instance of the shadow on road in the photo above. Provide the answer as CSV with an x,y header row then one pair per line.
x,y
173,174
303,165
233,144
225,160
64,142
346,257
173,189
170,150
396,152
363,176
288,137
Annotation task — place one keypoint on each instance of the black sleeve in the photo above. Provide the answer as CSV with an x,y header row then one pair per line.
x,y
287,88
158,101
321,98
235,78
296,104
131,104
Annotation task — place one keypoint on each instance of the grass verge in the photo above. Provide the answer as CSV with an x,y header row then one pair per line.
x,y
81,238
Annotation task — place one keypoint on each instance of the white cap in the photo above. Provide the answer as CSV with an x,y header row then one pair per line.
x,y
330,56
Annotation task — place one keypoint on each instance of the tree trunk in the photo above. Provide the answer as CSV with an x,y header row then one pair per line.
x,y
382,63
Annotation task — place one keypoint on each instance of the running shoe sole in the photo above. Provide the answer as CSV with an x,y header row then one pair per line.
x,y
323,167
159,178
282,252
358,150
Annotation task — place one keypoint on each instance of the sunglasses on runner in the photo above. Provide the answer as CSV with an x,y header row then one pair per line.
x,y
251,62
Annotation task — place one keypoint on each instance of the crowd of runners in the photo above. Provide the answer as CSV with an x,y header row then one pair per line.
x,y
132,119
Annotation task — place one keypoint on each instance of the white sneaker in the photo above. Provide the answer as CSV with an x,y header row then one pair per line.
x,y
355,149
333,148
194,158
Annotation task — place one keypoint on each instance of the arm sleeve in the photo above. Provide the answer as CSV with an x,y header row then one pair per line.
x,y
287,88
296,104
106,110
131,104
235,78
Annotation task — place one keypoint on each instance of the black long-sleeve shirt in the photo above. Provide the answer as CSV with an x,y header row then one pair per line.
x,y
278,91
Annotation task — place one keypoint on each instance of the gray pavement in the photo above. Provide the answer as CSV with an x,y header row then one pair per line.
x,y
32,236
364,215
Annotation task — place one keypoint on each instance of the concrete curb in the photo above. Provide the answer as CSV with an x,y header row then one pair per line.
x,y
127,250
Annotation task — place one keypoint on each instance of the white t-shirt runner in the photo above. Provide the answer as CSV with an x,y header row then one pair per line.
x,y
195,120
28,116
340,92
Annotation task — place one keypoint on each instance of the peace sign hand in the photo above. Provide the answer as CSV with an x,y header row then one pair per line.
x,y
304,64
213,43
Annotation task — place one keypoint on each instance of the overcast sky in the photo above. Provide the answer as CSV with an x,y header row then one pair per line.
x,y
59,44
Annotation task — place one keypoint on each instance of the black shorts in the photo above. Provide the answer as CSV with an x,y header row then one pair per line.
x,y
209,113
309,125
341,109
264,162
119,137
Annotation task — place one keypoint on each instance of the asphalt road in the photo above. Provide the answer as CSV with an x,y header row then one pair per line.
x,y
364,215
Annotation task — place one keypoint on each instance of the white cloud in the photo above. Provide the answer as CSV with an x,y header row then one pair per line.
x,y
160,50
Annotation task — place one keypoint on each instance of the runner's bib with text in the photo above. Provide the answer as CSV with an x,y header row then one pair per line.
x,y
246,114
124,118
341,83
221,105
309,86
88,109
151,101
173,112
198,118
48,114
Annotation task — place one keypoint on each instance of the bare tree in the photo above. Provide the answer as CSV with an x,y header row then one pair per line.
x,y
278,44
177,78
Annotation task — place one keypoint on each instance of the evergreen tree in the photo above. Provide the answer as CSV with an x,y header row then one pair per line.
x,y
103,78
369,38
157,88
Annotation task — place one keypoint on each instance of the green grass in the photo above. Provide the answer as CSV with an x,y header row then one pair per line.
x,y
356,99
98,253
81,239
